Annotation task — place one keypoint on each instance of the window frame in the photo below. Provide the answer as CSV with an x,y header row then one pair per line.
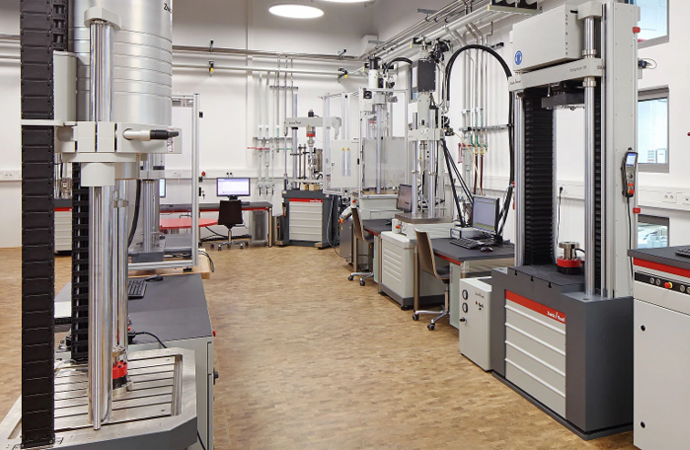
x,y
656,94
655,220
661,39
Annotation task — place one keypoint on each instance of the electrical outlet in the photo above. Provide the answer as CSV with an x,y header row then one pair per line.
x,y
683,198
10,175
669,197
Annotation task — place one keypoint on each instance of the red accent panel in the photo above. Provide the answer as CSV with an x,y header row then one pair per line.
x,y
184,223
536,307
306,200
662,267
570,263
637,210
119,371
63,209
448,259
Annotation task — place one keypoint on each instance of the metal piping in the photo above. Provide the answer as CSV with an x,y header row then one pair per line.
x,y
590,165
100,238
262,53
259,69
519,135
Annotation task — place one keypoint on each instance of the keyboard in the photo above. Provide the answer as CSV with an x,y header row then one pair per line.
x,y
466,243
684,251
136,289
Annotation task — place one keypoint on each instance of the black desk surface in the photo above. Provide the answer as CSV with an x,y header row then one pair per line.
x,y
173,309
443,247
665,256
377,226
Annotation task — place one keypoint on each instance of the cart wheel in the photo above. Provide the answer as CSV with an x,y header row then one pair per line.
x,y
431,327
362,282
220,248
350,278
415,317
213,246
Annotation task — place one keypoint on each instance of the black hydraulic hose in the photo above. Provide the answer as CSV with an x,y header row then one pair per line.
x,y
135,218
492,52
465,188
452,185
511,122
387,66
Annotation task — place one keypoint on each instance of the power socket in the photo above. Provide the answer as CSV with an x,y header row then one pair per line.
x,y
10,175
669,197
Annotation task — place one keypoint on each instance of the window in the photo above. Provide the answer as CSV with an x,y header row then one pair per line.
x,y
652,231
653,22
652,130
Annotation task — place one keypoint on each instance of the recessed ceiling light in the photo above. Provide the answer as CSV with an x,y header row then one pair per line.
x,y
347,1
295,11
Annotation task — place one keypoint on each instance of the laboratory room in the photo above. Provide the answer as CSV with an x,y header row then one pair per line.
x,y
344,225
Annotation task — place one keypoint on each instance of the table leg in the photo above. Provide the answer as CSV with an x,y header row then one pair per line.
x,y
269,221
380,263
416,280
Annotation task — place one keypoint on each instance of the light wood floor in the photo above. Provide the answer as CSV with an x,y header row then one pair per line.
x,y
308,360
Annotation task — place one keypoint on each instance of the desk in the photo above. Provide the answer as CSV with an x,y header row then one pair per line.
x,y
376,227
184,223
266,207
468,261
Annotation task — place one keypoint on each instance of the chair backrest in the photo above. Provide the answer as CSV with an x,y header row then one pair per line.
x,y
427,261
230,213
357,225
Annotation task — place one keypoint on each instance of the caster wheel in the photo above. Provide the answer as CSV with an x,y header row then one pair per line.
x,y
431,327
415,317
220,248
350,278
362,283
241,247
213,246
405,308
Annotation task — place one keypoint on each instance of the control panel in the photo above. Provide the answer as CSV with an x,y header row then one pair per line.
x,y
629,172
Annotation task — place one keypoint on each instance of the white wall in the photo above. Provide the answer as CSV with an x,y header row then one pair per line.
x,y
227,98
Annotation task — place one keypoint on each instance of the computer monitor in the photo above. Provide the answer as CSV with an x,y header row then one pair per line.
x,y
405,198
162,188
233,187
485,211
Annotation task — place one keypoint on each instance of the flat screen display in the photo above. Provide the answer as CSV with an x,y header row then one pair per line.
x,y
485,214
405,198
233,187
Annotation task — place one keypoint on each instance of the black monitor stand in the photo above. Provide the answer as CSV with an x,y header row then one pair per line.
x,y
232,197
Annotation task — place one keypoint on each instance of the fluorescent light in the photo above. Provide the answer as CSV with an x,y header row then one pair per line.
x,y
295,11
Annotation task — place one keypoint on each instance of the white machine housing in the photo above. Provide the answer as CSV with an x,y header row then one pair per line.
x,y
554,36
474,321
662,360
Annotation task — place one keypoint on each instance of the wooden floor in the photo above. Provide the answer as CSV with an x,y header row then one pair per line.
x,y
308,360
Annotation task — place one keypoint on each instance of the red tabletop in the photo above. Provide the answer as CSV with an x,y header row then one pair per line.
x,y
185,223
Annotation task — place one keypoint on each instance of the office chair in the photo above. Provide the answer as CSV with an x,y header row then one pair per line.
x,y
427,263
230,216
358,229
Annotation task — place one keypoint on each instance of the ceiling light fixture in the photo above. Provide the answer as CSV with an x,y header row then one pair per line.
x,y
347,1
295,11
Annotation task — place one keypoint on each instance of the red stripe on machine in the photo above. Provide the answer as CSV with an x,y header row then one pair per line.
x,y
662,267
63,209
306,200
536,307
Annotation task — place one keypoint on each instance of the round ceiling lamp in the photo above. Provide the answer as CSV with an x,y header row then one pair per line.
x,y
295,11
347,1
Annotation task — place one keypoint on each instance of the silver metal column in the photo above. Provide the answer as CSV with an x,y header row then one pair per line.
x,y
519,144
590,165
195,180
100,238
120,272
379,143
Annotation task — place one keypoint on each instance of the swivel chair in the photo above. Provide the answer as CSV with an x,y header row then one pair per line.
x,y
427,263
230,216
358,229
